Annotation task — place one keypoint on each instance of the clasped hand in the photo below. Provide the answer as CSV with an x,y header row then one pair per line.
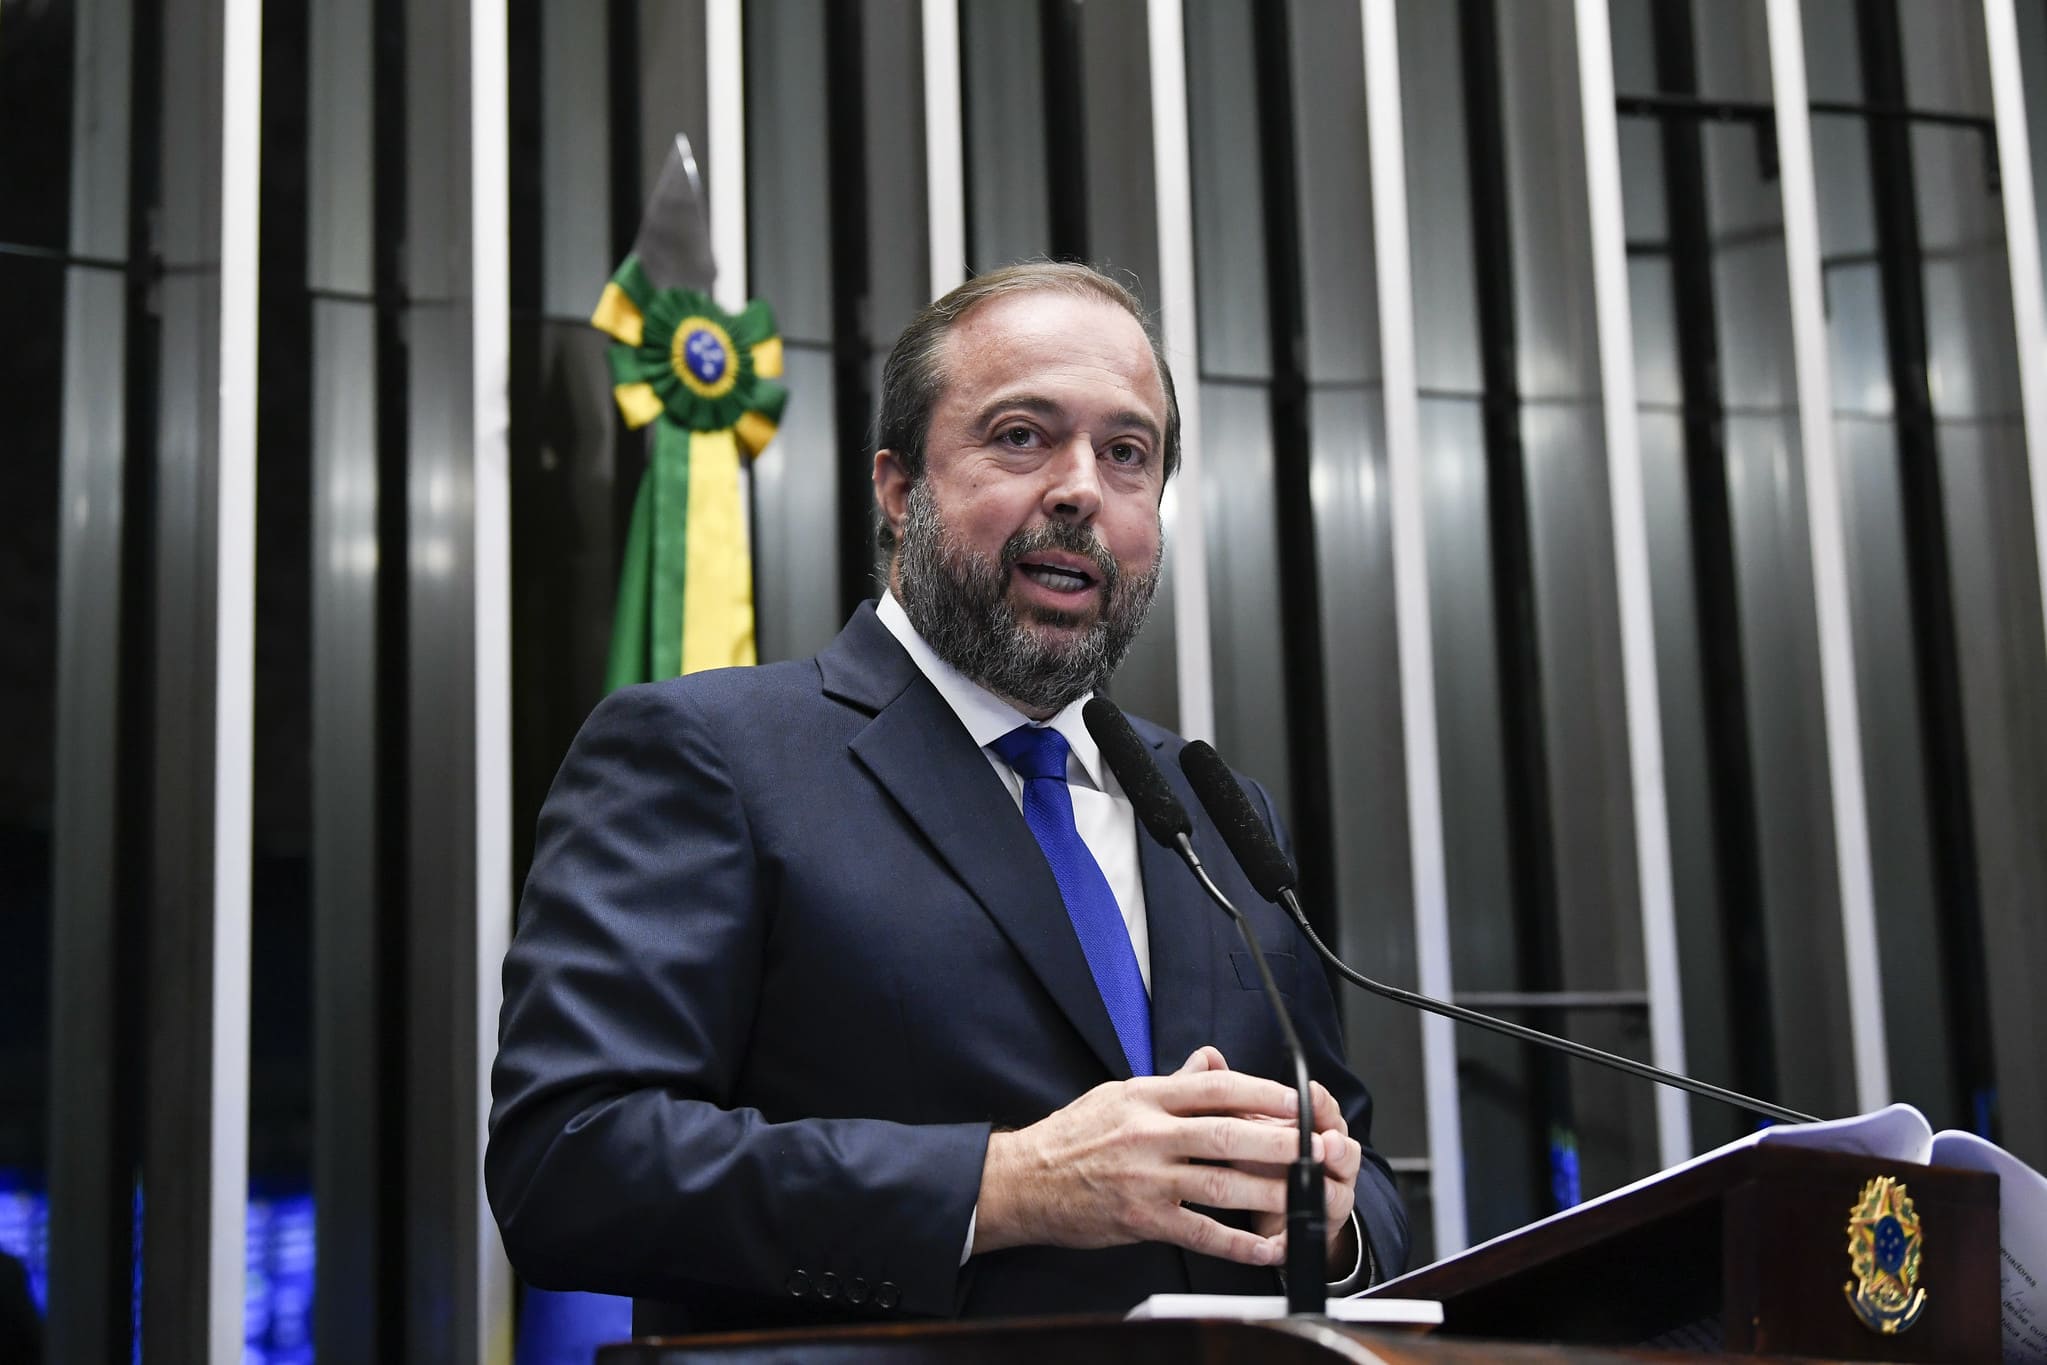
x,y
1122,1163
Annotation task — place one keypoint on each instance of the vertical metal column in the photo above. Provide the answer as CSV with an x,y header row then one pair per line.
x,y
945,188
195,1168
1829,549
725,158
2022,249
1180,325
92,1148
1631,569
1419,746
457,704
350,990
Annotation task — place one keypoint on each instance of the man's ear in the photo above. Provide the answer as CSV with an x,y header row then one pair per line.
x,y
891,489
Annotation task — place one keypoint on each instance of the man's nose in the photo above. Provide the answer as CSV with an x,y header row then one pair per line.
x,y
1073,489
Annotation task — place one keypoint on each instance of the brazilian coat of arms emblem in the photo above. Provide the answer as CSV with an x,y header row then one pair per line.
x,y
1884,1244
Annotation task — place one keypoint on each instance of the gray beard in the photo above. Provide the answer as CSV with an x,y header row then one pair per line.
x,y
959,602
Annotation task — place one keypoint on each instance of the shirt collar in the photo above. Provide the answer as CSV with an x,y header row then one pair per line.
x,y
987,716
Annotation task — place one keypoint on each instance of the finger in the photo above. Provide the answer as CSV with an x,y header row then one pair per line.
x,y
1235,1140
1221,1092
1328,1113
1203,1058
1228,1187
1199,1233
1342,1155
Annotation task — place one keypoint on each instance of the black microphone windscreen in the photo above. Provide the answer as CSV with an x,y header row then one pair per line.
x,y
1256,851
1158,810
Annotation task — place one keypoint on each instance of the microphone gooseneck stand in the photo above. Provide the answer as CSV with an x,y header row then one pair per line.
x,y
1162,816
1272,875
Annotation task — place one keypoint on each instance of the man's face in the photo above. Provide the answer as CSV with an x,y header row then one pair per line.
x,y
1029,551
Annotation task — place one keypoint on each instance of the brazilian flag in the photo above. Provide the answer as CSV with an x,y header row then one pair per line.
x,y
704,380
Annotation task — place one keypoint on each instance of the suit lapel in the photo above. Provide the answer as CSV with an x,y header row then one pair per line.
x,y
917,749
1181,924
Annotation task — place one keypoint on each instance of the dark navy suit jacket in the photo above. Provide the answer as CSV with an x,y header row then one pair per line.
x,y
787,952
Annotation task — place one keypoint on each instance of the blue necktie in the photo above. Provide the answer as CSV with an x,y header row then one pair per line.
x,y
1038,754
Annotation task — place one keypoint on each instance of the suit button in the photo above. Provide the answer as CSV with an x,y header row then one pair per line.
x,y
856,1290
798,1283
887,1296
828,1286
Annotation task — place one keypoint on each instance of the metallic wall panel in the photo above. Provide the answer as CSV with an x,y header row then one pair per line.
x,y
795,482
1229,212
1439,199
340,149
89,1179
1557,342
454,207
1007,216
1710,995
1654,917
1787,757
1332,173
1246,600
672,83
1900,827
1367,767
347,1089
575,157
2018,44
1492,1137
1183,592
1116,99
2004,708
945,185
790,233
795,502
898,260
197,1011
1436,1199
348,1092
1577,609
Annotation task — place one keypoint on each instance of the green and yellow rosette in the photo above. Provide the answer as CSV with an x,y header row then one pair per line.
x,y
705,380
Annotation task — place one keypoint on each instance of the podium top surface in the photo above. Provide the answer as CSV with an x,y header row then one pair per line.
x,y
1111,1341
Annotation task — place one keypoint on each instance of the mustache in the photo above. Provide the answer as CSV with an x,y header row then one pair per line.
x,y
1069,537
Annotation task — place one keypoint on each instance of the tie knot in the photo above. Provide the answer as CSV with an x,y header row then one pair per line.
x,y
1034,751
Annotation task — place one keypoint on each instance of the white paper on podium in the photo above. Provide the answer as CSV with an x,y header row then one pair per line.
x,y
2021,1234
1261,1307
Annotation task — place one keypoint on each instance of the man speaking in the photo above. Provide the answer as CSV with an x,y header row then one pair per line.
x,y
844,989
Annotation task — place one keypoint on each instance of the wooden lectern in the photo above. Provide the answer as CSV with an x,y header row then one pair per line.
x,y
1746,1253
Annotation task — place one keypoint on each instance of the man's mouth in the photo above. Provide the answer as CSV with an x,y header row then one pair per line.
x,y
1057,577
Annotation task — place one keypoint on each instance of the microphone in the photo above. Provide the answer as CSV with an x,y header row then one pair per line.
x,y
1272,875
1165,819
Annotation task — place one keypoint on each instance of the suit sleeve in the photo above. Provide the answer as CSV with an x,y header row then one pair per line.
x,y
1378,1204
617,1160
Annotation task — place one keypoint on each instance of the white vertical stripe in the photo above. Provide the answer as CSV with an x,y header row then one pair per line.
x,y
234,670
1829,552
945,179
1385,131
1631,570
725,166
1173,180
2022,249
490,426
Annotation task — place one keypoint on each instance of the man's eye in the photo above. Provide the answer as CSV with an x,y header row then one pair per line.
x,y
1017,436
1125,453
